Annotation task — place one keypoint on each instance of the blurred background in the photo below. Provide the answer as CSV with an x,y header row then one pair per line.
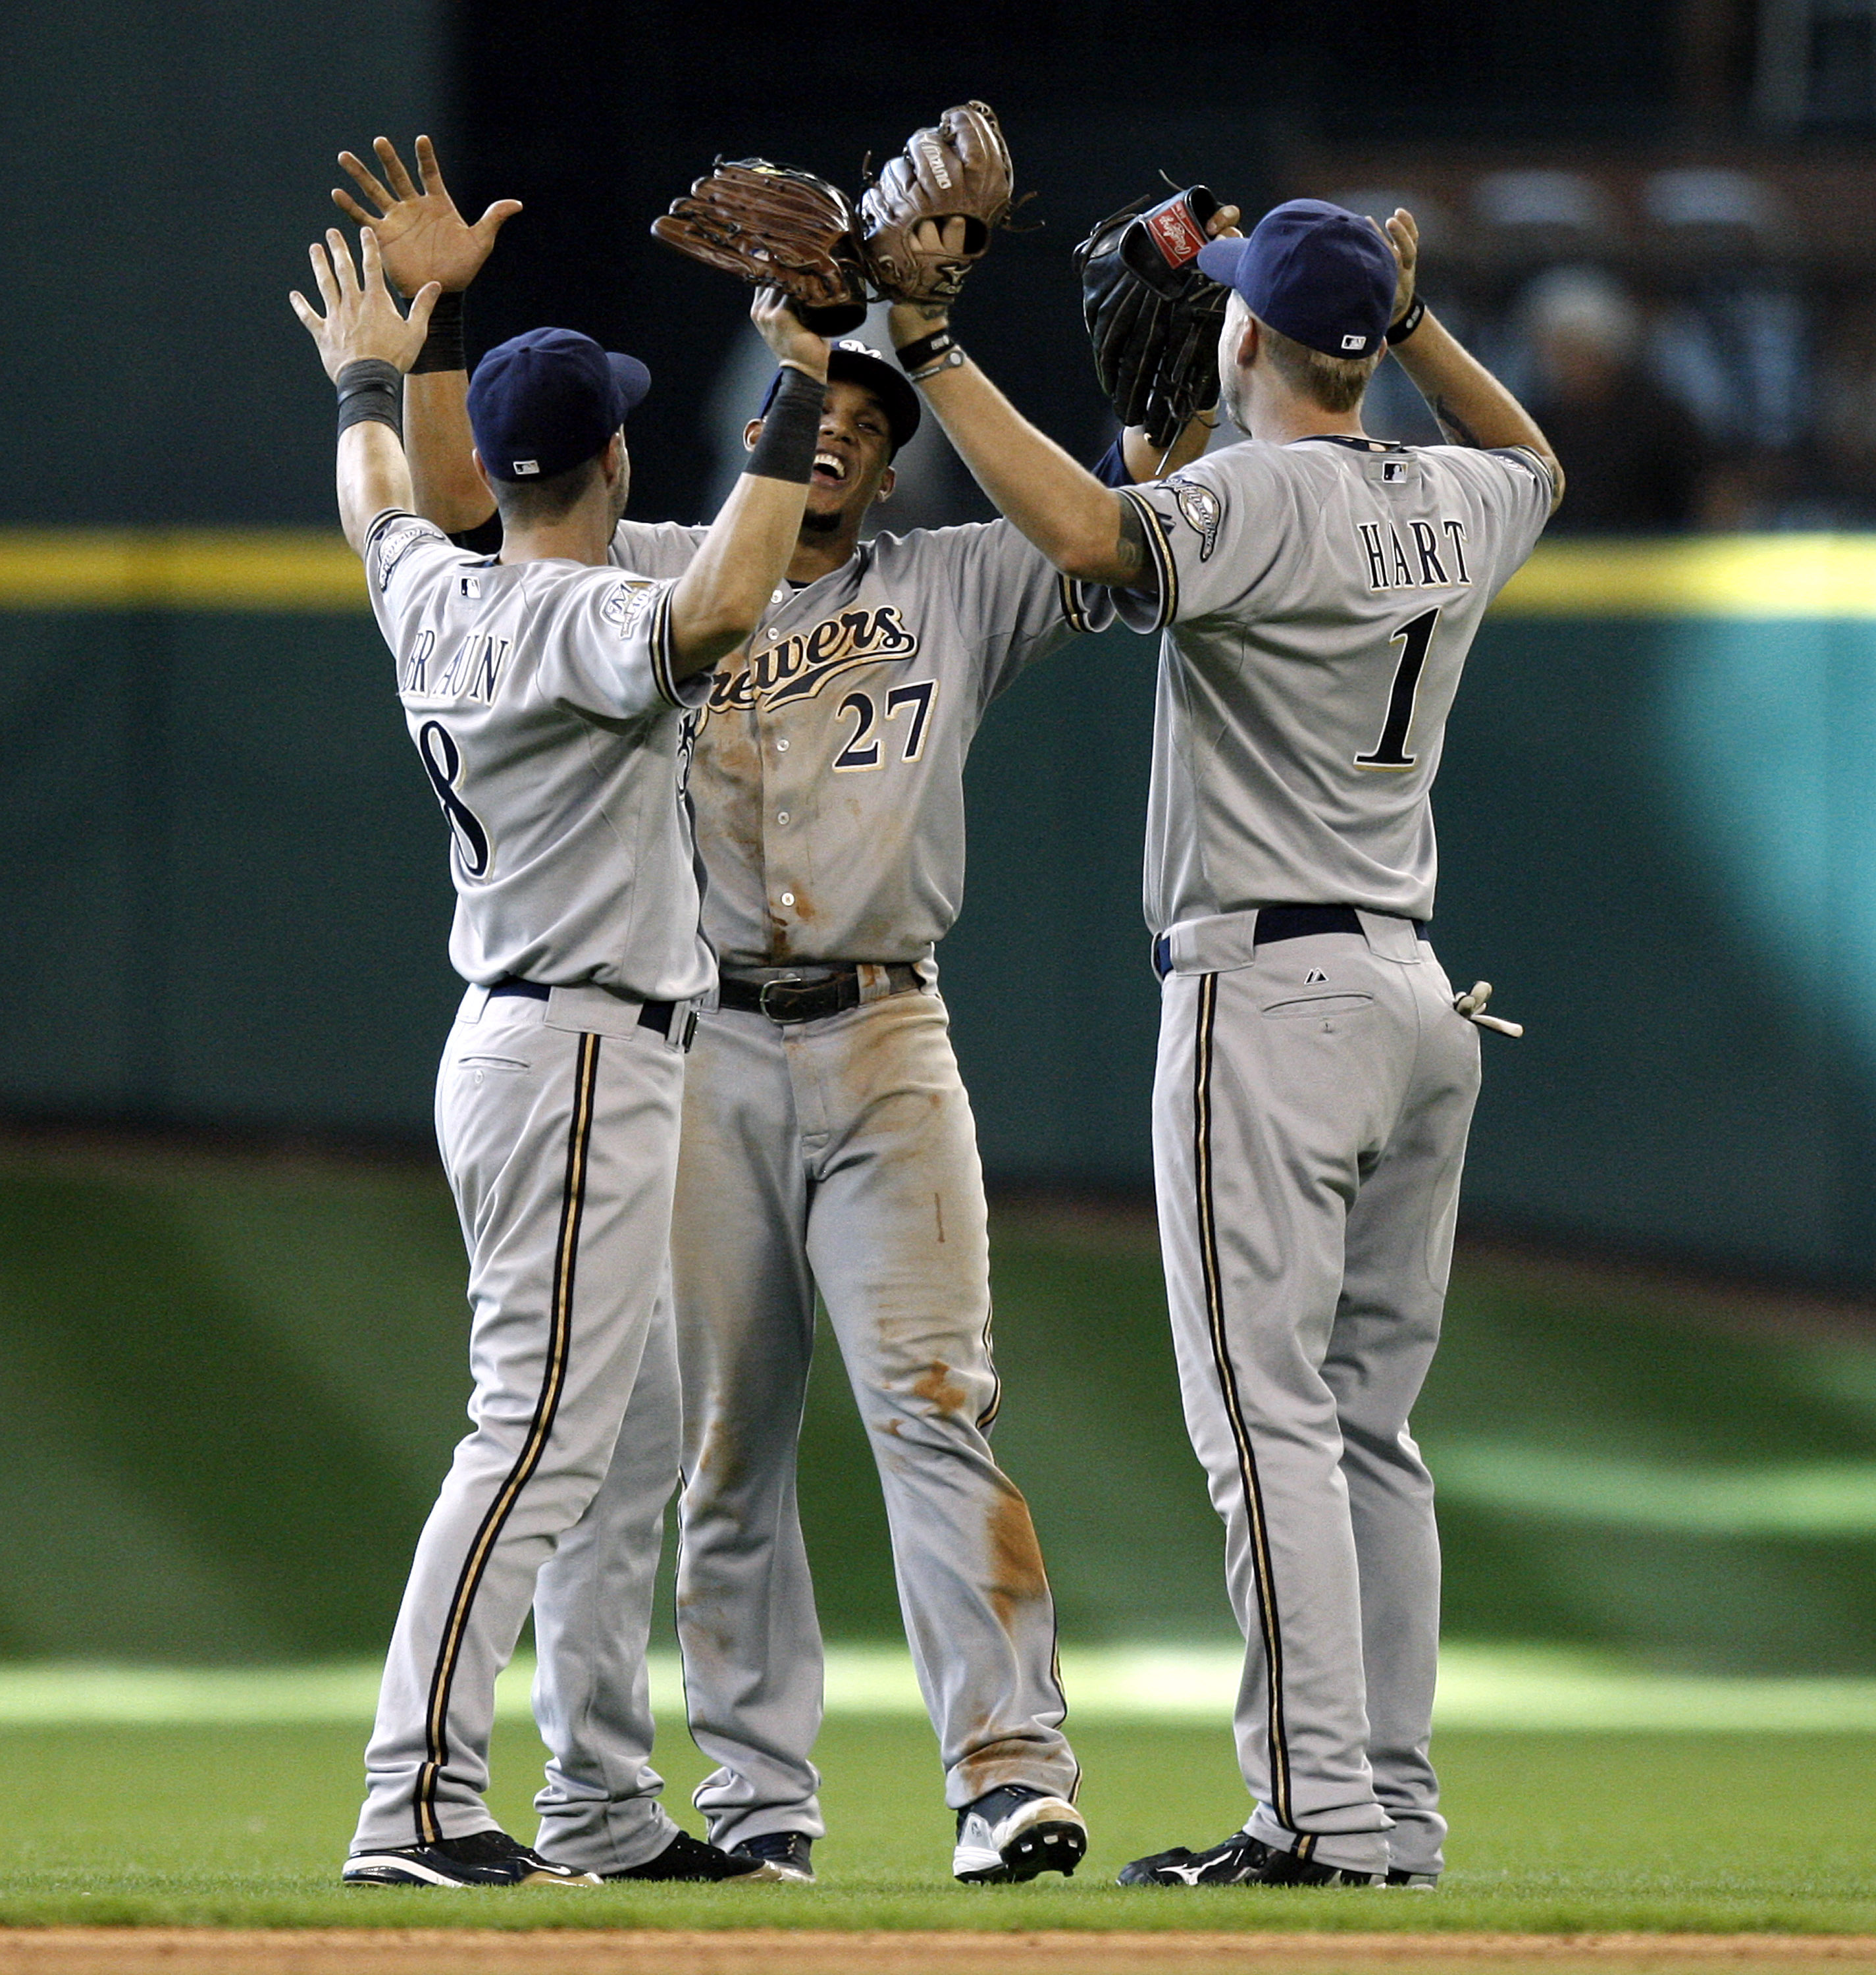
x,y
230,1280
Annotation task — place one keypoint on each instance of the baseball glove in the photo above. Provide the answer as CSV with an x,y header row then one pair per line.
x,y
957,168
773,226
1153,318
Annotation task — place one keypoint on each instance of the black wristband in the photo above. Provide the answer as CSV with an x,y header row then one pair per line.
x,y
915,356
1407,323
442,347
371,389
791,430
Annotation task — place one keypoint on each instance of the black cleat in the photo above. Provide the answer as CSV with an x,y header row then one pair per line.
x,y
1241,1861
788,1851
1418,1882
690,1858
1015,1833
487,1858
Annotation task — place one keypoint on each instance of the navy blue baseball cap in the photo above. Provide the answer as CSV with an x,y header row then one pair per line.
x,y
851,358
540,403
1315,272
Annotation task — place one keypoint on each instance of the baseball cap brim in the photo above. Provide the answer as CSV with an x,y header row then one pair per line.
x,y
632,379
1221,259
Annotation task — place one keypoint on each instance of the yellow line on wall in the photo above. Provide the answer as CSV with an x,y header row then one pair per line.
x,y
1710,576
295,569
183,569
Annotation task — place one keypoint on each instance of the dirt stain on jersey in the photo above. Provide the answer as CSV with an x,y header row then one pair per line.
x,y
937,1202
1016,1577
940,1389
722,1467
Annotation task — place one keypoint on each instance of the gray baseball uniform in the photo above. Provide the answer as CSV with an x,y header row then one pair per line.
x,y
828,785
541,702
1314,1086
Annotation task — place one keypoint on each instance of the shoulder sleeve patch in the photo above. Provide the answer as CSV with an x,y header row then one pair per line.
x,y
1202,509
395,536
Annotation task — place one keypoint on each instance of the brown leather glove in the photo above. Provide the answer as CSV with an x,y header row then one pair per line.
x,y
957,169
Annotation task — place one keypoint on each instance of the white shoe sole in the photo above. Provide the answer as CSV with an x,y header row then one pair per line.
x,y
1046,1834
370,1869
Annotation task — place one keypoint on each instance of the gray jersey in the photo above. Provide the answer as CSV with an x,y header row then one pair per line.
x,y
541,698
1319,599
829,769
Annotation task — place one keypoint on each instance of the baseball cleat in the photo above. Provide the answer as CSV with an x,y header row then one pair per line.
x,y
1415,1882
787,1852
690,1858
486,1859
1013,1833
1241,1861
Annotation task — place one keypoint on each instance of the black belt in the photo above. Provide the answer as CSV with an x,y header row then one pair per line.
x,y
1276,923
654,1015
786,998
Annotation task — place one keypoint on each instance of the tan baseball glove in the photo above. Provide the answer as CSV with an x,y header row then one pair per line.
x,y
957,170
771,225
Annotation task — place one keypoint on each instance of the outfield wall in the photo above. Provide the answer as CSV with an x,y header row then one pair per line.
x,y
228,901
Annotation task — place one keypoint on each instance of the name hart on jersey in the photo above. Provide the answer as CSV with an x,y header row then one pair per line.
x,y
471,673
797,667
1388,567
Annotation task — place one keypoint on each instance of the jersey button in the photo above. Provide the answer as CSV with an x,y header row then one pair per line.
x,y
781,815
788,898
781,746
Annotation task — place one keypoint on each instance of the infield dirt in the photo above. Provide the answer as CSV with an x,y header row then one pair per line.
x,y
193,1951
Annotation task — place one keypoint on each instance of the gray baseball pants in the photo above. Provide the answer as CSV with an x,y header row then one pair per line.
x,y
558,1124
1311,1106
843,1153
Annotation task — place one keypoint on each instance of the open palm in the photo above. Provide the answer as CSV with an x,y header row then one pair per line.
x,y
421,235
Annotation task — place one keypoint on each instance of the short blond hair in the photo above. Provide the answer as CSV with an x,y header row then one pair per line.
x,y
1335,384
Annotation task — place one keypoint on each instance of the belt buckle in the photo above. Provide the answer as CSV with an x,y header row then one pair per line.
x,y
762,997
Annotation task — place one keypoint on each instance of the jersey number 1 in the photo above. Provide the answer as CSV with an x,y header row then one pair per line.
x,y
1390,752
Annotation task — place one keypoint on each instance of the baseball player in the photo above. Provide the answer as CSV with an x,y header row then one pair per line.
x,y
823,1098
552,701
1317,592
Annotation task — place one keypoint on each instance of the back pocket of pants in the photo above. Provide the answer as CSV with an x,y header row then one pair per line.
x,y
1304,1006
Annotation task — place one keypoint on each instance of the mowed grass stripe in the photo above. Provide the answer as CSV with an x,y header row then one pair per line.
x,y
1538,1689
1551,1834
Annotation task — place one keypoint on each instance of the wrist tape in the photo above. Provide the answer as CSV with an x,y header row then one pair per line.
x,y
1402,329
370,389
791,430
442,347
914,357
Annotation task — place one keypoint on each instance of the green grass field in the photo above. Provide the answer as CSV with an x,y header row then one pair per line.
x,y
1591,1833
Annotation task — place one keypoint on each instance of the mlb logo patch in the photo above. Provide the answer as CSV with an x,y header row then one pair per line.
x,y
523,467
1357,343
470,585
1394,469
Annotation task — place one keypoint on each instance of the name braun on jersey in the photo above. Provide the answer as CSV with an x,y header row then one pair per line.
x,y
472,673
797,667
1389,569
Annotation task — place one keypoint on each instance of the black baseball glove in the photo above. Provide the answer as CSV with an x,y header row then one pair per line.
x,y
1153,318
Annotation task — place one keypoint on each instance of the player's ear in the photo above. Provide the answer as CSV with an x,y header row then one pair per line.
x,y
1248,343
751,432
481,471
888,480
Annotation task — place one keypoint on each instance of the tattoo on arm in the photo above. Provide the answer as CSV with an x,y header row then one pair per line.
x,y
1454,427
1130,552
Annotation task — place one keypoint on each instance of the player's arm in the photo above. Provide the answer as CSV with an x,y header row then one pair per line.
x,y
422,237
367,347
1086,530
719,600
1474,409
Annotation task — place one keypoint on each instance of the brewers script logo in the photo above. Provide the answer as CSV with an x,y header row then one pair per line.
x,y
797,667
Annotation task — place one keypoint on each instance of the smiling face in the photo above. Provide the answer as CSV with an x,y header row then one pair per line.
x,y
852,460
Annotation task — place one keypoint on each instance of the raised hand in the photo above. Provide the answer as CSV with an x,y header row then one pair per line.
x,y
784,332
1403,235
361,319
420,234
